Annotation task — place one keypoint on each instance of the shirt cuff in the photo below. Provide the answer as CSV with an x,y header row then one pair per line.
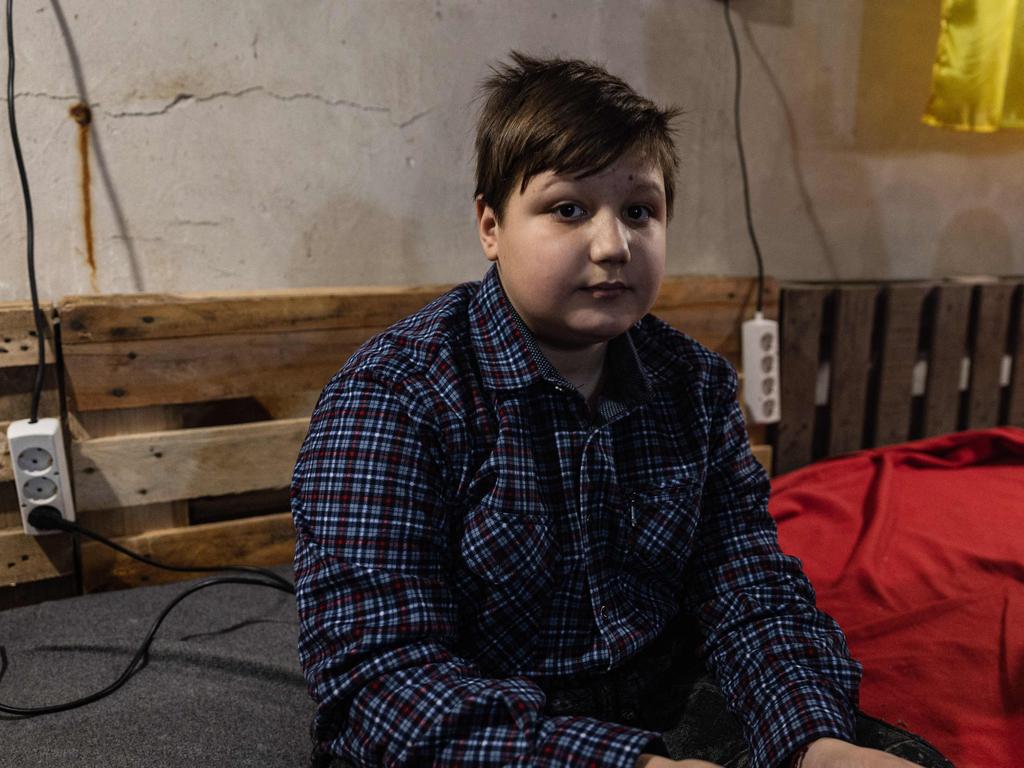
x,y
798,717
585,741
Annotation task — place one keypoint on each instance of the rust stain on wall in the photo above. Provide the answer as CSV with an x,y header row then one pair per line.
x,y
82,115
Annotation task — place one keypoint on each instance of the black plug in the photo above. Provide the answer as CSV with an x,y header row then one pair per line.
x,y
47,518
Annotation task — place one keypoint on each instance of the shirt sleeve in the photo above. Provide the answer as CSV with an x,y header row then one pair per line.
x,y
378,623
784,666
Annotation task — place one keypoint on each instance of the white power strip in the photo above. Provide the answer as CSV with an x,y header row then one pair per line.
x,y
760,345
40,469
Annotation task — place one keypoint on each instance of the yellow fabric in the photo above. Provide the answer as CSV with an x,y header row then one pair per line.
x,y
978,77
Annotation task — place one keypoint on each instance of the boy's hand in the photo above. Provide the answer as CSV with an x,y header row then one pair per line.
x,y
834,753
823,753
655,761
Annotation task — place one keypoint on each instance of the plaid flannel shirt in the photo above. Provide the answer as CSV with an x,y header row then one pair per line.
x,y
465,526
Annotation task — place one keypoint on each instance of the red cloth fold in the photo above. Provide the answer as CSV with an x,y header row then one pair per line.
x,y
917,550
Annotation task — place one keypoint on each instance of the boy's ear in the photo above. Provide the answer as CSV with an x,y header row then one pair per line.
x,y
487,228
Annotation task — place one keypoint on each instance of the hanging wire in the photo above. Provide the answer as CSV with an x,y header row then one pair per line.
x,y
743,159
37,313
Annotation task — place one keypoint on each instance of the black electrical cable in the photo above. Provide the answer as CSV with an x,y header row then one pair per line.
x,y
50,519
37,313
743,159
141,657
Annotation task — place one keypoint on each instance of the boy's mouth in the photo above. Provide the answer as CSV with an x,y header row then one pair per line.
x,y
606,289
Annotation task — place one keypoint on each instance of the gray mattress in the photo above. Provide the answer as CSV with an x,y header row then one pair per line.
x,y
223,685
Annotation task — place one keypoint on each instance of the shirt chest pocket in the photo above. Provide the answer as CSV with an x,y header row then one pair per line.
x,y
661,523
508,550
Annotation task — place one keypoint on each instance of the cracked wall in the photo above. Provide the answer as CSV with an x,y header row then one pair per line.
x,y
278,144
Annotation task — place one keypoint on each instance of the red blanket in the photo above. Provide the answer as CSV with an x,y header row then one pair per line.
x,y
917,550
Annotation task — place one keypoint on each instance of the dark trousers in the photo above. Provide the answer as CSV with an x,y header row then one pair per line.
x,y
665,688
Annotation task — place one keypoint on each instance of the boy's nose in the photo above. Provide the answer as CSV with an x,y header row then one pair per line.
x,y
610,241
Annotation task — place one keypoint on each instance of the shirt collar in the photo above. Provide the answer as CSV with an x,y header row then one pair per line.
x,y
509,358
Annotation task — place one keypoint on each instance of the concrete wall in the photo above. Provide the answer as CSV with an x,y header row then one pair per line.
x,y
262,144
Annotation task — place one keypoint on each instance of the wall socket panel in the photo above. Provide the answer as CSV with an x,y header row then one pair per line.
x,y
760,343
40,469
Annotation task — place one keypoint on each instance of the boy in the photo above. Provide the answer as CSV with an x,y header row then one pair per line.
x,y
527,514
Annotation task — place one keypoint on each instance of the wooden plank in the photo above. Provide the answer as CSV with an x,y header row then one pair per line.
x,y
111,375
150,366
10,511
712,309
127,470
26,558
6,468
18,340
850,366
951,308
1015,406
800,342
902,313
16,384
262,541
987,348
144,515
125,317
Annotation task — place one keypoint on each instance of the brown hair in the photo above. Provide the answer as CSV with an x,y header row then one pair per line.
x,y
566,116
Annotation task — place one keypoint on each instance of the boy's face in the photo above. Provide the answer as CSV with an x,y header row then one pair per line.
x,y
581,260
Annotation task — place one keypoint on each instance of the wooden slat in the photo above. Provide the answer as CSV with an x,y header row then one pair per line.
x,y
148,366
18,345
850,366
184,370
26,558
712,309
126,317
800,333
16,384
950,322
127,520
10,511
989,343
262,541
902,313
6,468
128,470
1015,411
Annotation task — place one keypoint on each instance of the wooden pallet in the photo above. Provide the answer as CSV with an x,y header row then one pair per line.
x,y
186,412
873,364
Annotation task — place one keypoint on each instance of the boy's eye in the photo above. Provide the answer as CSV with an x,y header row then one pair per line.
x,y
638,213
568,211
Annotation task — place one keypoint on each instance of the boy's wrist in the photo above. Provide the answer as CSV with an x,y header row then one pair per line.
x,y
826,752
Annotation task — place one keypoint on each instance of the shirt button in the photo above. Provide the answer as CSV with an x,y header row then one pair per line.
x,y
603,611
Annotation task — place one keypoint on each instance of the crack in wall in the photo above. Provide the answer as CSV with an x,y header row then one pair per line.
x,y
416,117
182,98
259,89
40,95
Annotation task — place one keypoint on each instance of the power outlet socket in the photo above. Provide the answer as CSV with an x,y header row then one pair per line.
x,y
760,340
40,469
